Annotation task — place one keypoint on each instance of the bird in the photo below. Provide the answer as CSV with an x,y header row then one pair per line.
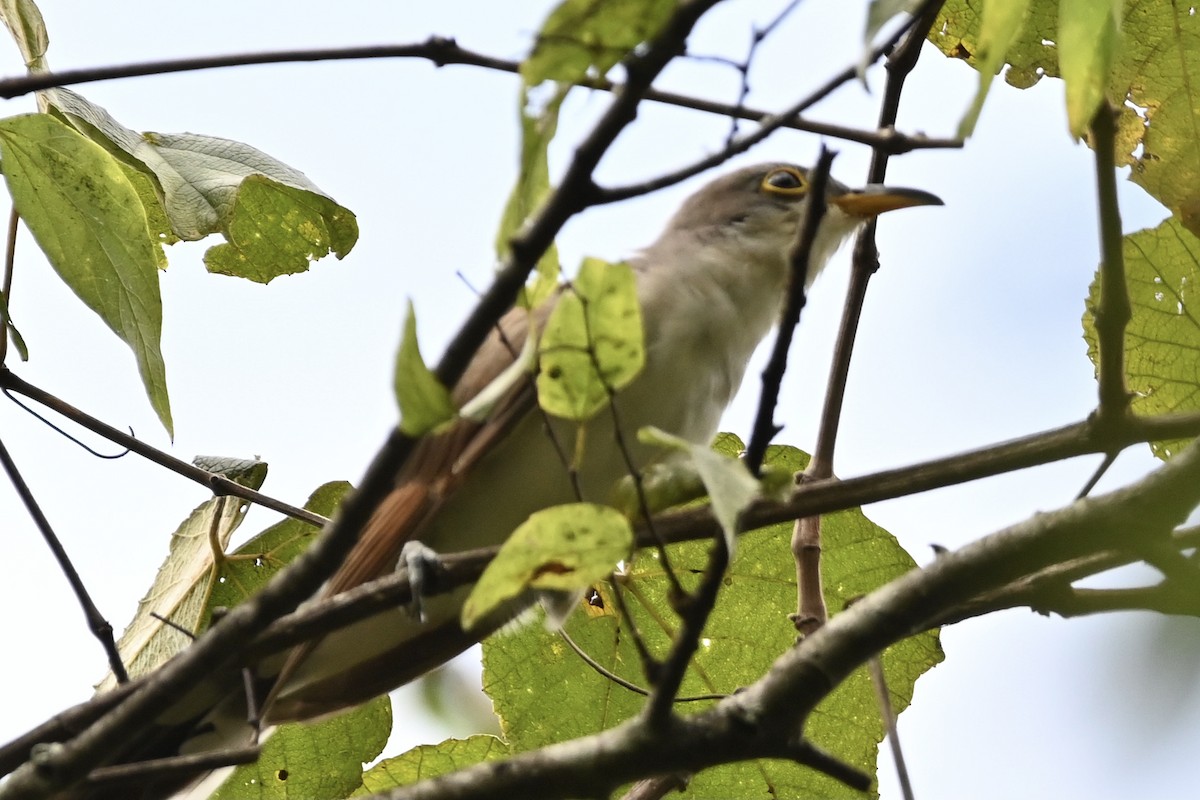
x,y
710,288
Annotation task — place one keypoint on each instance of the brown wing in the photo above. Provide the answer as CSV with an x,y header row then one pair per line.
x,y
437,466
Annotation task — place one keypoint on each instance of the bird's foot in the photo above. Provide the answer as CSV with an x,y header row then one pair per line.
x,y
422,564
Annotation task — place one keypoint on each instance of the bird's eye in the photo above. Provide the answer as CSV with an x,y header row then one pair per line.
x,y
786,181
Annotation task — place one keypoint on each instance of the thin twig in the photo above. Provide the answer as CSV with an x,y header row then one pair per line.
x,y
443,51
888,714
172,767
631,469
811,611
219,485
650,664
767,125
100,627
75,440
1109,460
824,496
757,37
765,428
694,614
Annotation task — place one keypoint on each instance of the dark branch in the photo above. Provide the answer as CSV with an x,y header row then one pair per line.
x,y
761,721
1113,310
764,428
219,485
443,51
768,124
100,627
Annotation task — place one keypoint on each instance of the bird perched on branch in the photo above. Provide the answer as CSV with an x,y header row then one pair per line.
x,y
709,289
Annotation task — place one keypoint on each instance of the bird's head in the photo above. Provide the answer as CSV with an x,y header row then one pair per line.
x,y
755,214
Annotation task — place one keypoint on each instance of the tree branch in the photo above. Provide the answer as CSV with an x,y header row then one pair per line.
x,y
764,428
1113,310
443,51
761,721
100,627
219,485
768,124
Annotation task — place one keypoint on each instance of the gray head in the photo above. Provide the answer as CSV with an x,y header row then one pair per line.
x,y
759,209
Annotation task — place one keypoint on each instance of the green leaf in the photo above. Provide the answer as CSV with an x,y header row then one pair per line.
x,y
584,37
543,693
538,126
181,588
430,761
1162,265
424,401
1001,22
323,759
1031,55
24,21
1151,82
593,342
200,179
1088,31
562,548
250,566
275,229
87,218
728,483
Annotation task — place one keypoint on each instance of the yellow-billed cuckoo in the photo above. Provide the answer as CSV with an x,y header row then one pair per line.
x,y
710,288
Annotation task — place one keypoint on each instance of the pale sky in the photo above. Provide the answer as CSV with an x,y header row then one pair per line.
x,y
971,336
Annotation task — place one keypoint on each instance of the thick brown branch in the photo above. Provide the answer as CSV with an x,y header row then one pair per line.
x,y
762,720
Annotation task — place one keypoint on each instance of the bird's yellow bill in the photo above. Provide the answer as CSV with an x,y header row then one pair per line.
x,y
873,200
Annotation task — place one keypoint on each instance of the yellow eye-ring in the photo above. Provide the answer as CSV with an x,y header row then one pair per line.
x,y
787,181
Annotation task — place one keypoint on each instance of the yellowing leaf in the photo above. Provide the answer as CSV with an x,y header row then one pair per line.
x,y
283,221
582,37
87,218
180,590
424,401
1002,21
429,761
593,342
561,548
275,229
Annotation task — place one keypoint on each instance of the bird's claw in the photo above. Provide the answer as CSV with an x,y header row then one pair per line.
x,y
422,564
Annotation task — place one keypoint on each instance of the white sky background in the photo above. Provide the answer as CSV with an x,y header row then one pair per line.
x,y
971,336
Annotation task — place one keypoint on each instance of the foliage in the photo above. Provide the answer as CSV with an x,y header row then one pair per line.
x,y
102,201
